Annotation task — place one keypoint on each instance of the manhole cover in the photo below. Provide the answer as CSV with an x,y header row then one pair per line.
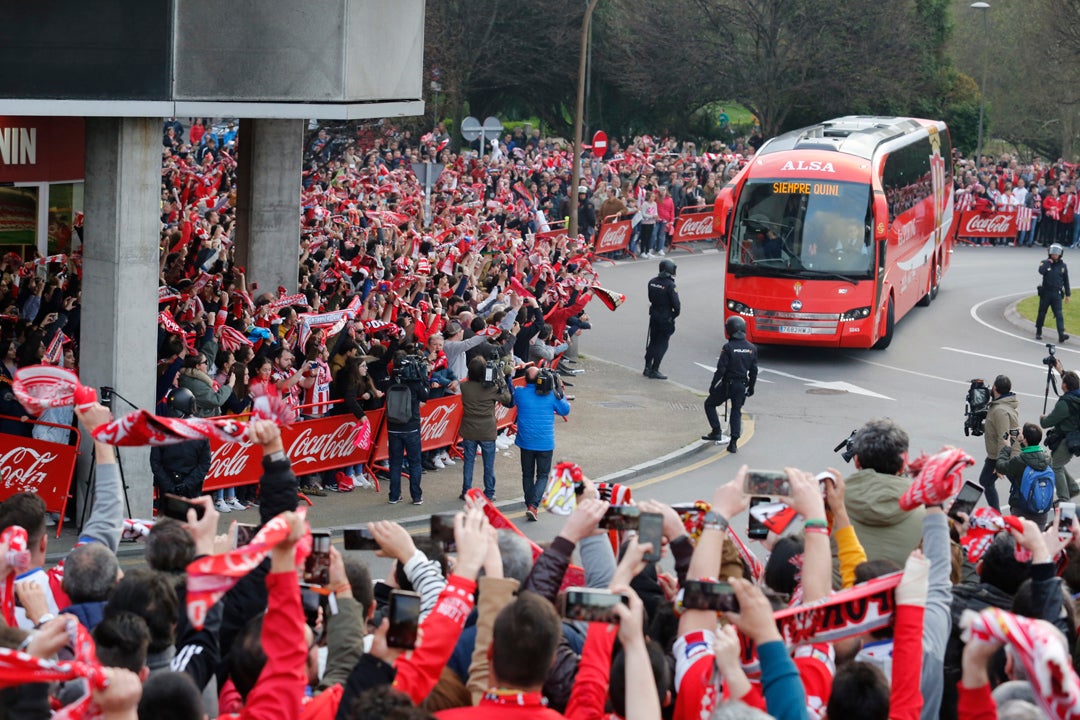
x,y
617,405
825,391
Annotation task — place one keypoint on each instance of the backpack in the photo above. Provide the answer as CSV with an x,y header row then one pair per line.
x,y
399,404
1037,490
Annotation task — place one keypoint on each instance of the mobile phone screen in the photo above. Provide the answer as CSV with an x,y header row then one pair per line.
x,y
621,517
359,539
442,531
755,529
317,565
1065,521
404,619
766,482
589,605
715,596
243,533
651,530
965,501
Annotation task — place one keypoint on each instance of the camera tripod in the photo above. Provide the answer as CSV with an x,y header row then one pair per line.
x,y
1050,381
107,394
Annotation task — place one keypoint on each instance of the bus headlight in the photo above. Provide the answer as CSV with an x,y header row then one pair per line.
x,y
737,307
856,314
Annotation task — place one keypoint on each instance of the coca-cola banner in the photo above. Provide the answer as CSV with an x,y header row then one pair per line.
x,y
613,236
312,446
37,466
1001,223
440,421
694,226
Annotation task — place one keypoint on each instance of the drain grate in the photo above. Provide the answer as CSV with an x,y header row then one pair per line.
x,y
690,407
826,391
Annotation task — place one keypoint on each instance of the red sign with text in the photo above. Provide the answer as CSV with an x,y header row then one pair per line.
x,y
987,224
613,236
37,466
695,226
42,149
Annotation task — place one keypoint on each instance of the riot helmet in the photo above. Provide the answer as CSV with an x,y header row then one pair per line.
x,y
735,328
667,267
1055,249
181,402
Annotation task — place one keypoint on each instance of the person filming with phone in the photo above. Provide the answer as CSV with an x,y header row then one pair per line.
x,y
1031,477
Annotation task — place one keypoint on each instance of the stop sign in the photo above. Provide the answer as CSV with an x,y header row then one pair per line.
x,y
599,143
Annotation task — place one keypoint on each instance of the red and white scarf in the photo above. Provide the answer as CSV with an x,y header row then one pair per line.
x,y
939,478
18,559
19,668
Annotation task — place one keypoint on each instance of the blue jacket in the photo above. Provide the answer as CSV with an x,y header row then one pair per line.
x,y
536,418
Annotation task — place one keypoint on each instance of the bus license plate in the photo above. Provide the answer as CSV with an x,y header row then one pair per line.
x,y
795,330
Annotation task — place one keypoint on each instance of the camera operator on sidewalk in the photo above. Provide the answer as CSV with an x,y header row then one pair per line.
x,y
1063,418
538,403
487,385
1002,429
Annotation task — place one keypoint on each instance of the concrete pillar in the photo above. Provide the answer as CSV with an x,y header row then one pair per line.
x,y
118,342
268,202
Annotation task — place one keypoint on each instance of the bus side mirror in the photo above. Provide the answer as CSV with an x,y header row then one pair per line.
x,y
722,211
881,217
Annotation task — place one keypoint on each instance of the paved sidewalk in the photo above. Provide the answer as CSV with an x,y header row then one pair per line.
x,y
620,423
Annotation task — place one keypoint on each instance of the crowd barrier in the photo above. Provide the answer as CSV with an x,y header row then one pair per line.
x,y
38,466
613,236
993,224
695,223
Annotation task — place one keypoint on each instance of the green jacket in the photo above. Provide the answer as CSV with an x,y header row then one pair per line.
x,y
1036,457
884,530
1066,413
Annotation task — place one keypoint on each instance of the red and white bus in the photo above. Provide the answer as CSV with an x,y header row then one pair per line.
x,y
836,230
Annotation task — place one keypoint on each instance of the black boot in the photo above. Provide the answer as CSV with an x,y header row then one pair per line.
x,y
732,447
656,374
1062,337
713,435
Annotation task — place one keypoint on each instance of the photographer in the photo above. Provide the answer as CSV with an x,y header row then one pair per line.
x,y
1012,465
873,493
487,385
403,423
1063,419
1001,430
1055,285
538,402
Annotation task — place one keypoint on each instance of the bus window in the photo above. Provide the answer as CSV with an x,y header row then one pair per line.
x,y
797,226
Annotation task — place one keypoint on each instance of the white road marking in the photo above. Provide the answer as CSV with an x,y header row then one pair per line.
x,y
975,315
712,368
925,375
834,385
994,357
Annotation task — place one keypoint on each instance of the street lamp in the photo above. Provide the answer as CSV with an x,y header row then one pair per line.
x,y
575,176
985,8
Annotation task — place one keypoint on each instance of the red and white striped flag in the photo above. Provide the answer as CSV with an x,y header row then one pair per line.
x,y
1024,216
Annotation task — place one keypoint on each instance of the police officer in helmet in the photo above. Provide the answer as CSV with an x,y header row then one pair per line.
x,y
180,469
664,307
1055,286
734,379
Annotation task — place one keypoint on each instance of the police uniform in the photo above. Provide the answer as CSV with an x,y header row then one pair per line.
x,y
734,379
1055,285
664,307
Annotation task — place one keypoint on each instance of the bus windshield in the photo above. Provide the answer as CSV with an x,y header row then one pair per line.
x,y
803,228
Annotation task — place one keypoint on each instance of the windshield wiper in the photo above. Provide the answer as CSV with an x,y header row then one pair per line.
x,y
824,274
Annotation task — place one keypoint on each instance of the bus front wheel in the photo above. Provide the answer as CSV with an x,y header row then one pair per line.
x,y
890,322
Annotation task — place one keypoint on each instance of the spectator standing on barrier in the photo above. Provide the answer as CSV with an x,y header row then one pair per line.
x,y
1063,418
1055,286
1001,431
734,380
664,307
487,386
180,469
537,402
403,424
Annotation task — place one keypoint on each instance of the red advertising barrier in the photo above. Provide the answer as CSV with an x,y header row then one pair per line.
x,y
690,227
312,446
1000,223
440,421
613,236
38,466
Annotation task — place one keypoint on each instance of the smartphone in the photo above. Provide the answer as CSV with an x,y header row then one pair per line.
x,y
1065,521
177,507
715,596
317,565
590,605
767,482
404,617
242,534
965,501
442,531
651,530
359,539
310,601
621,517
755,529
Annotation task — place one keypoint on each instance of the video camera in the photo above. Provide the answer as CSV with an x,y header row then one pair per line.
x,y
846,447
976,405
105,395
411,368
547,381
